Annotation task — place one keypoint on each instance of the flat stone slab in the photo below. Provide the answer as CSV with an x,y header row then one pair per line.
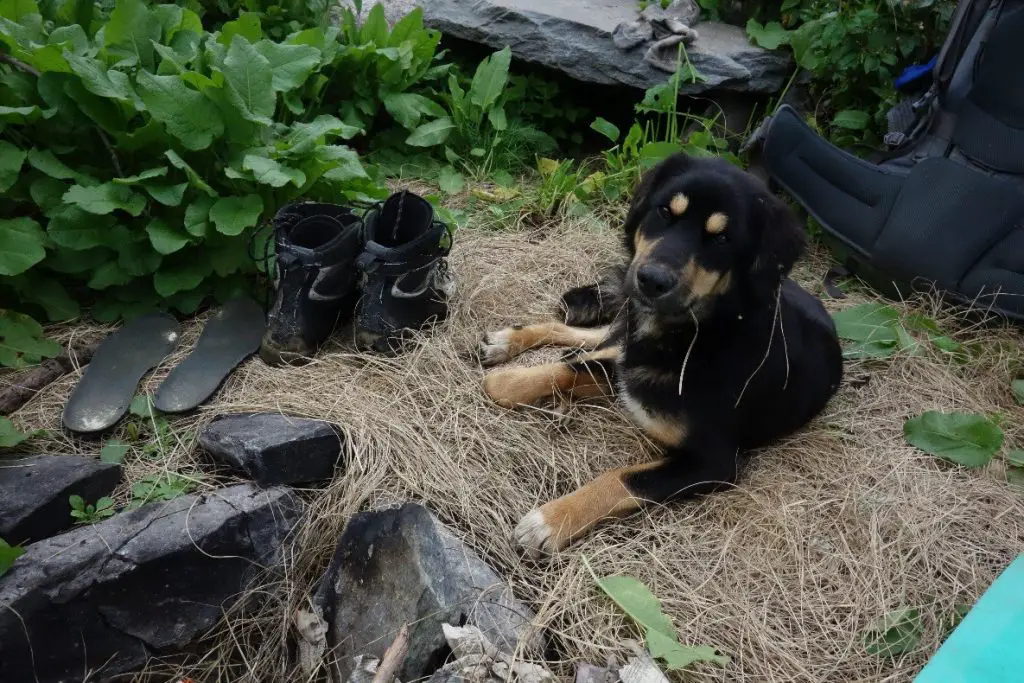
x,y
105,597
34,493
274,449
576,37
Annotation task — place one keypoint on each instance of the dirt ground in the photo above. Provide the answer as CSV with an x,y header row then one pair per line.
x,y
826,532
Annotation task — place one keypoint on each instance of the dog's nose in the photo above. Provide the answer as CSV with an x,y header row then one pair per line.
x,y
654,281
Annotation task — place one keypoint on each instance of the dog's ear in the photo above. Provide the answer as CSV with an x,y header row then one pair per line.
x,y
781,238
672,165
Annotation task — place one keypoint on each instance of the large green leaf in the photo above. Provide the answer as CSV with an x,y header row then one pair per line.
x,y
433,133
232,215
193,177
490,79
22,243
290,65
247,25
22,342
99,80
168,195
17,10
607,129
188,114
74,228
645,609
268,171
183,276
1018,390
130,33
44,161
148,174
964,438
305,137
344,164
250,81
409,108
110,274
897,633
47,292
871,327
165,238
769,36
11,159
137,257
852,119
106,198
10,436
197,217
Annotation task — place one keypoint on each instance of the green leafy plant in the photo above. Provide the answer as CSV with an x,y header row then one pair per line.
x,y
473,127
897,633
113,452
854,50
1018,391
963,438
277,18
877,330
11,436
636,600
149,427
160,487
140,151
8,554
1015,469
84,513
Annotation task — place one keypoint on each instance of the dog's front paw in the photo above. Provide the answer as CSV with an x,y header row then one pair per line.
x,y
536,536
496,348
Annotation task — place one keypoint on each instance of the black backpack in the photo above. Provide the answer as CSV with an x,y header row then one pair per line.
x,y
944,208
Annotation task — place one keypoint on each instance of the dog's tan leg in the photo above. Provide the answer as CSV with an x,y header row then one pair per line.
x,y
555,524
586,376
503,345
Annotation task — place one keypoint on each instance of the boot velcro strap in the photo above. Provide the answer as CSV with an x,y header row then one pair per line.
x,y
369,262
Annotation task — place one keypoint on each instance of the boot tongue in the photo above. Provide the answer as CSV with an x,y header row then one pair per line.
x,y
315,232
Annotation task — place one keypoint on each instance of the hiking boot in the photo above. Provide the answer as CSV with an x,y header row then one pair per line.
x,y
315,278
406,283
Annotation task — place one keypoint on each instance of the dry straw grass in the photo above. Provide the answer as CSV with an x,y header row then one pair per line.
x,y
826,532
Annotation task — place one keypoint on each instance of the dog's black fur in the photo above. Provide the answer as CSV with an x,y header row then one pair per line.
x,y
758,355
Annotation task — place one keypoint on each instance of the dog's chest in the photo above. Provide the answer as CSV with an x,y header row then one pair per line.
x,y
667,430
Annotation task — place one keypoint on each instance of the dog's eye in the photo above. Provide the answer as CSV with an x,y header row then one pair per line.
x,y
665,212
720,238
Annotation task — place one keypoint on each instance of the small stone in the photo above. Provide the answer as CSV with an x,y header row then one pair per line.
x,y
145,583
34,493
274,449
401,566
588,673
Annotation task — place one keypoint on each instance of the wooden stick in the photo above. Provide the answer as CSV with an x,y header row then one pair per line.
x,y
393,657
31,382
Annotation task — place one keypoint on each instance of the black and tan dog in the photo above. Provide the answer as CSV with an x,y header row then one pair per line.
x,y
703,339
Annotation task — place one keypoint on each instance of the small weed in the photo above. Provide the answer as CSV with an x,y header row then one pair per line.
x,y
8,554
11,436
160,487
91,513
963,438
897,633
876,330
1018,391
113,452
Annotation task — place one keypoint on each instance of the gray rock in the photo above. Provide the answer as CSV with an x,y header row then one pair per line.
x,y
577,37
147,582
34,493
274,449
402,566
588,673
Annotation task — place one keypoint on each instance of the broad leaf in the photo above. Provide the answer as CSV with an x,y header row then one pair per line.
x,y
193,177
432,133
136,257
168,195
105,198
267,171
11,159
409,108
246,25
45,291
451,181
113,452
99,80
606,128
305,137
22,342
10,436
872,328
1015,458
148,174
852,119
22,243
44,161
232,215
677,656
964,438
769,36
181,277
1018,390
164,238
490,79
8,554
74,228
197,217
109,274
497,118
344,162
130,33
897,633
290,65
250,81
188,114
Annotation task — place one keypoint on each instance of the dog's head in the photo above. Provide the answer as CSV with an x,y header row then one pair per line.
x,y
701,232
